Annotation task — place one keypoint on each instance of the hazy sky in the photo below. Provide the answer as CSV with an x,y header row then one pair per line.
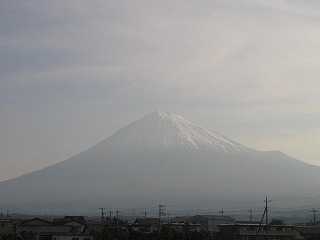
x,y
74,72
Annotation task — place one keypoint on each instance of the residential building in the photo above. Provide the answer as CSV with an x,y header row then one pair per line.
x,y
210,223
308,232
7,225
180,227
61,236
180,219
76,223
146,225
254,231
63,229
40,229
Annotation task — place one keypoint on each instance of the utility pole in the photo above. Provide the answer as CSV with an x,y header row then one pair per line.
x,y
221,212
145,214
110,212
102,214
161,213
117,212
314,216
250,215
266,211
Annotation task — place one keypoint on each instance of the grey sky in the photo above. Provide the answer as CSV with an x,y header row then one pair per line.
x,y
74,72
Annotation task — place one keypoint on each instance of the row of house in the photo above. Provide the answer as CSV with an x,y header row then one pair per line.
x,y
227,228
221,227
67,228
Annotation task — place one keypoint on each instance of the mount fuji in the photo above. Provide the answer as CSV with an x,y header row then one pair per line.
x,y
161,158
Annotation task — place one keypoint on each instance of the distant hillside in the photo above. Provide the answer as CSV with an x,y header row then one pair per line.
x,y
161,158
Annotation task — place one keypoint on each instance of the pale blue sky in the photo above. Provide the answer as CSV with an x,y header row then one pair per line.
x,y
74,72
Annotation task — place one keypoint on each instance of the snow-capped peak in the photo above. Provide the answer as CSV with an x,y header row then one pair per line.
x,y
162,129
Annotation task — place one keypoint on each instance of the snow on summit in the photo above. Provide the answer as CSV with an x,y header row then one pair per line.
x,y
162,129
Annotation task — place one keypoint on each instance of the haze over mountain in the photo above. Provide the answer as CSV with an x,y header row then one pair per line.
x,y
161,158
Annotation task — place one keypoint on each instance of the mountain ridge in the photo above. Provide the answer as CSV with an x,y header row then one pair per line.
x,y
160,158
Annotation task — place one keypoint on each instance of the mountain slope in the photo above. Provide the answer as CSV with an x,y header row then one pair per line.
x,y
161,158
167,130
